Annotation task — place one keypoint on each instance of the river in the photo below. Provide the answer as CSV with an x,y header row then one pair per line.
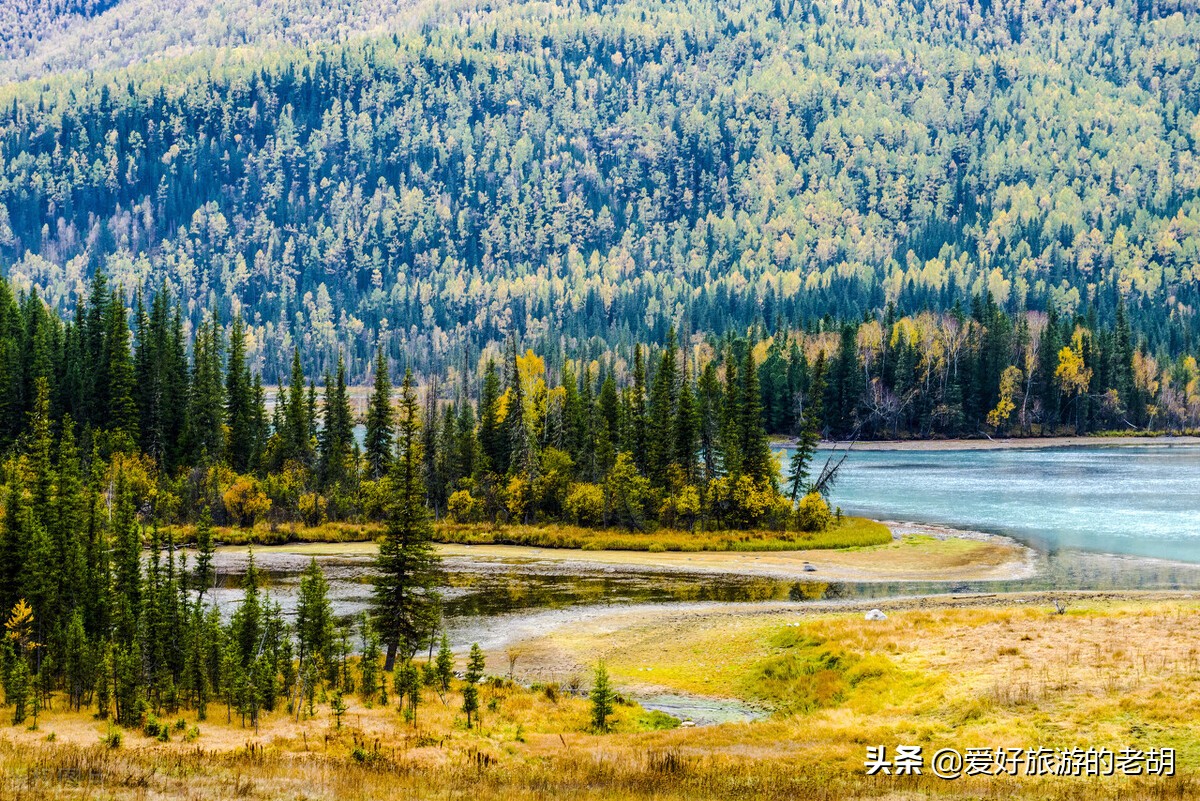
x,y
1142,500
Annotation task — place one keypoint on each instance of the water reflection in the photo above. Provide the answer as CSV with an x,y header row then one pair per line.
x,y
482,594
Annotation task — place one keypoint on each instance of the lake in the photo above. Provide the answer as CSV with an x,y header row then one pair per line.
x,y
1142,500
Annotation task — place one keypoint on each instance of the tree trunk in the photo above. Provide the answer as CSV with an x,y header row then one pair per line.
x,y
390,661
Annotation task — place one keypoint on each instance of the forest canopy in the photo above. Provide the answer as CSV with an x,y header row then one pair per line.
x,y
585,175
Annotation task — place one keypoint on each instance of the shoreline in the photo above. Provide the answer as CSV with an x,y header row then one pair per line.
x,y
1009,443
917,552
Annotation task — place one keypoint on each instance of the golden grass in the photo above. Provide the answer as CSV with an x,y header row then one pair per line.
x,y
1104,674
853,532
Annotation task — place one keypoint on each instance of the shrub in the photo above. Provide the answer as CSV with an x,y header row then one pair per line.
x,y
746,504
464,508
153,727
813,513
112,738
518,498
246,502
312,508
681,509
585,504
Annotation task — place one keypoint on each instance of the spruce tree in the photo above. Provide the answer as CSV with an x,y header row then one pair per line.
x,y
602,698
380,420
661,422
314,616
757,460
810,432
406,597
492,444
240,409
637,423
336,438
121,413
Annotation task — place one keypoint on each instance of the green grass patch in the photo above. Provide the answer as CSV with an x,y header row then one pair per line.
x,y
810,673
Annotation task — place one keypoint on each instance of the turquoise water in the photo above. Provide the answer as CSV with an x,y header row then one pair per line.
x,y
1138,500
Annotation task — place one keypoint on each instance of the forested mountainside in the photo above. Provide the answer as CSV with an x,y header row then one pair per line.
x,y
63,35
589,174
26,23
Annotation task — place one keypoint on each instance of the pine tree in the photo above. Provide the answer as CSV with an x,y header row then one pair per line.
x,y
314,616
661,425
492,443
406,598
810,432
602,698
239,402
336,439
380,420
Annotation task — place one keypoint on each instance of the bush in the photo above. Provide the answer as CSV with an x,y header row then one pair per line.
x,y
813,513
112,738
585,504
312,508
246,502
518,498
681,509
464,508
153,727
746,504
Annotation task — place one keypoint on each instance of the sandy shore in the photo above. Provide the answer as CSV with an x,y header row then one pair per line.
x,y
918,553
1014,443
950,559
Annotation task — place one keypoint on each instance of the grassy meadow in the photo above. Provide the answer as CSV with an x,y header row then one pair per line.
x,y
1008,674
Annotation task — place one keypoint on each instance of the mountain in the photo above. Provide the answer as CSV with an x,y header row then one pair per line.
x,y
586,174
44,37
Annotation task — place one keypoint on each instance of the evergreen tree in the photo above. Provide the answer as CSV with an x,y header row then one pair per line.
x,y
637,441
406,598
204,575
602,697
240,409
810,431
314,617
755,450
493,446
380,420
296,427
121,413
661,425
336,438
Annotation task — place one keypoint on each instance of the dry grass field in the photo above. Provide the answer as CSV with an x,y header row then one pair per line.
x,y
1010,671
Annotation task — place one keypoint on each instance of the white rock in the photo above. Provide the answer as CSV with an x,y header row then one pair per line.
x,y
875,614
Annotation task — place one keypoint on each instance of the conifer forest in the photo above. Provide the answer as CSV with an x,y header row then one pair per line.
x,y
628,277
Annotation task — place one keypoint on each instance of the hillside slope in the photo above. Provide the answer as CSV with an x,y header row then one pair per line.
x,y
605,169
